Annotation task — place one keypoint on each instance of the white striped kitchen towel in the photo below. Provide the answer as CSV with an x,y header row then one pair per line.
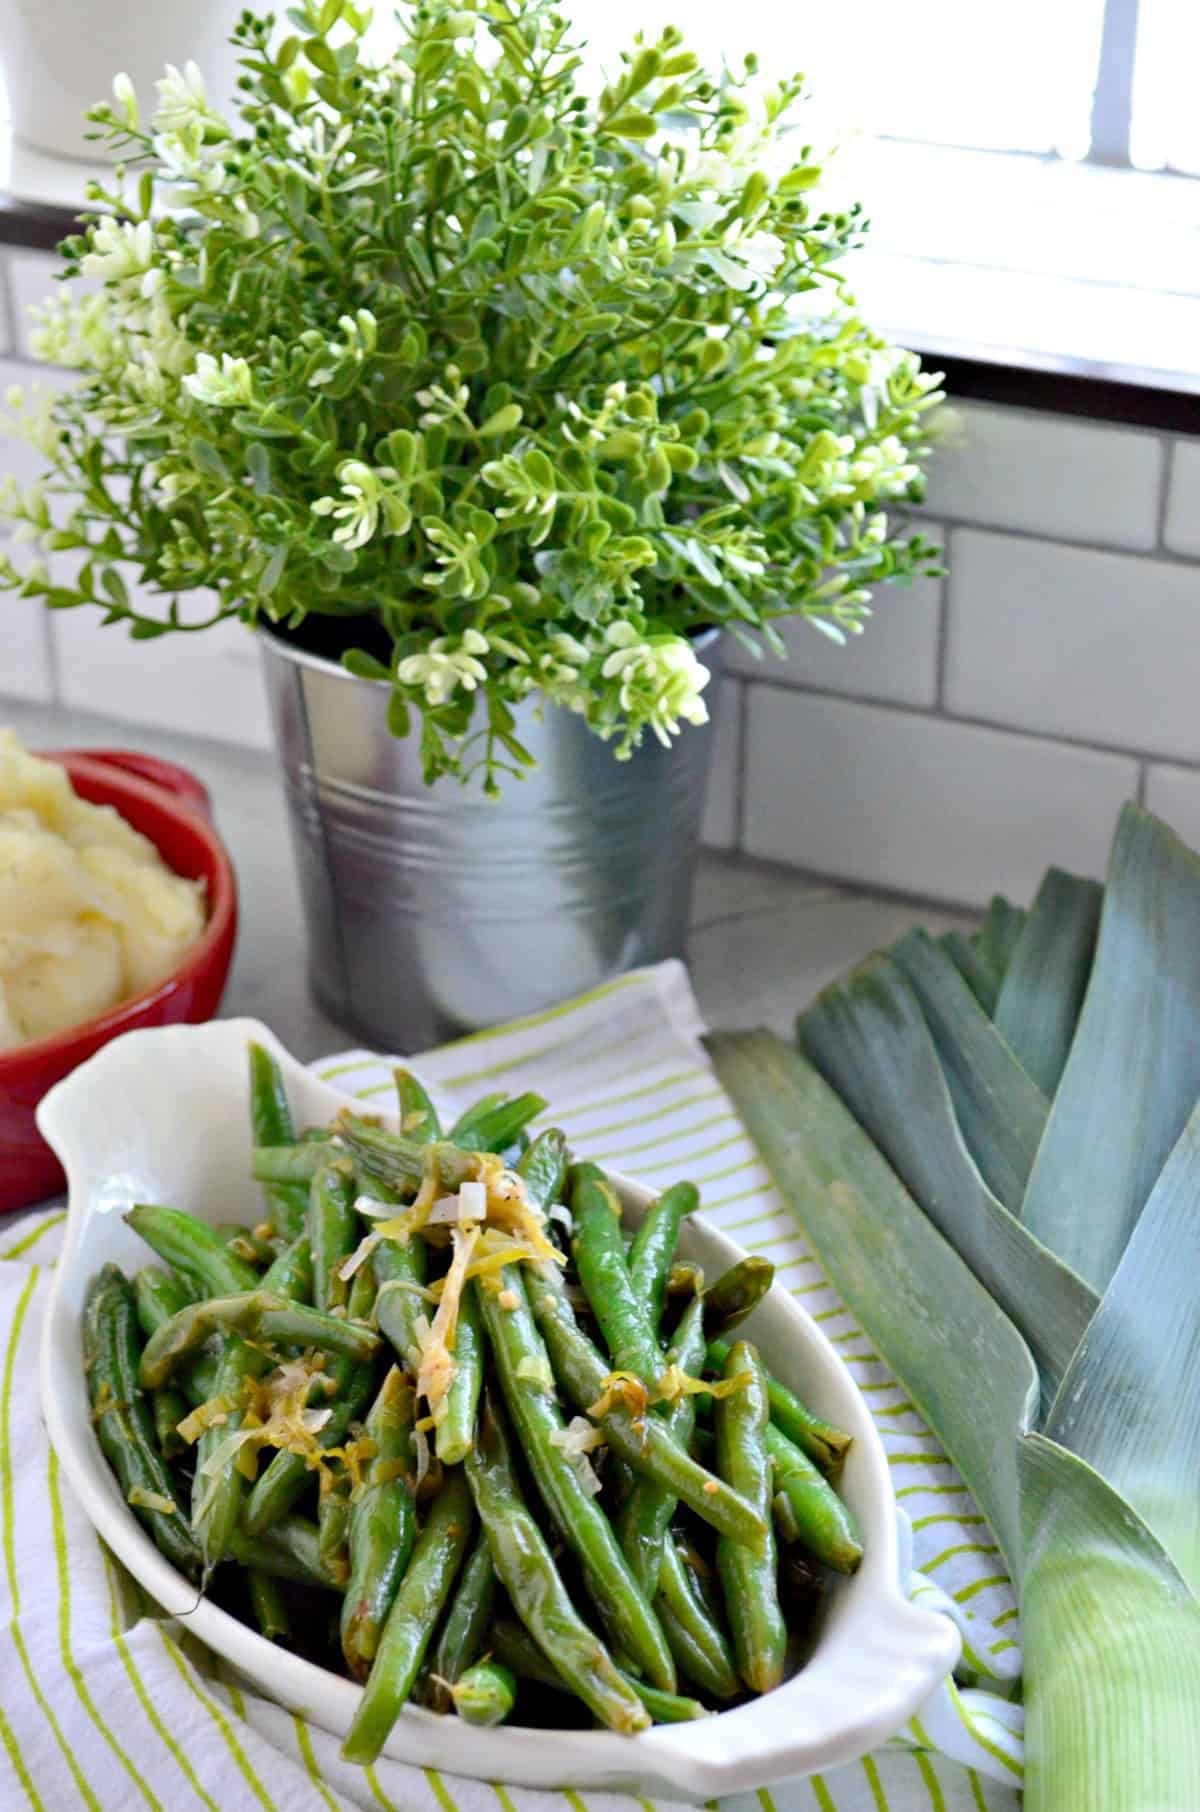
x,y
108,1706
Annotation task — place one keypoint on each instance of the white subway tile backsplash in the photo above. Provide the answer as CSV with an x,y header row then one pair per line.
x,y
1050,475
1182,531
24,650
1174,794
1073,643
206,684
895,658
921,804
720,827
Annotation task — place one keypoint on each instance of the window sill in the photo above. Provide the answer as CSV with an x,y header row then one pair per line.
x,y
1043,285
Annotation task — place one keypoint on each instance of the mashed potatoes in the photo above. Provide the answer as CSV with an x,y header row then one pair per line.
x,y
89,912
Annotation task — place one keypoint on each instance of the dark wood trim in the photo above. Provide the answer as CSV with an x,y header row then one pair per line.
x,y
1137,397
1143,398
35,226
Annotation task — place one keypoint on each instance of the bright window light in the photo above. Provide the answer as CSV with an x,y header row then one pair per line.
x,y
1165,130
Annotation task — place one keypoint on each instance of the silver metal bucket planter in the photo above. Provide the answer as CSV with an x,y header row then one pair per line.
x,y
432,910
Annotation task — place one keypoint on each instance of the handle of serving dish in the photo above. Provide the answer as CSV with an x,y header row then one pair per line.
x,y
164,774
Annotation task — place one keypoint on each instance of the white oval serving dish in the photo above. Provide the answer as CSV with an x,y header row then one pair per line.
x,y
162,1116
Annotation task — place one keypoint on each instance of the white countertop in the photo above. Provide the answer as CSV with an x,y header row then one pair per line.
x,y
762,941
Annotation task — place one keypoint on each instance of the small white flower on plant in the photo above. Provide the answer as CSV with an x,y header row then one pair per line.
x,y
659,676
760,252
125,95
183,102
444,667
120,249
369,496
32,419
223,384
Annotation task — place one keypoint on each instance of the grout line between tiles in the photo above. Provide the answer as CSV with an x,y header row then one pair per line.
x,y
1164,499
1083,544
739,766
997,726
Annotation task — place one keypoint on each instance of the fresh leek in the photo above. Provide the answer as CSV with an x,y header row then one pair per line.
x,y
1047,1326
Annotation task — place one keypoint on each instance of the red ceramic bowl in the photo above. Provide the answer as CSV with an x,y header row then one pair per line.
x,y
171,807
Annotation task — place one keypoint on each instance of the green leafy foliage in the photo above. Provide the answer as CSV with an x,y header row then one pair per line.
x,y
541,381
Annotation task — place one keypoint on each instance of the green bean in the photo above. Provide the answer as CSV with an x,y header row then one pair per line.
x,y
194,1248
543,1169
654,1246
382,1524
217,1496
477,1111
624,1317
360,1303
277,1489
332,1233
159,1295
511,1644
496,1129
516,1650
825,1445
271,1124
808,1509
456,1429
294,1164
418,1116
667,1707
291,1274
255,1315
523,1561
401,1162
485,1695
643,1441
168,1408
291,1549
647,1512
748,1580
461,1640
123,1423
245,1244
266,1601
399,1304
736,1294
698,1643
518,1350
423,1591
333,1525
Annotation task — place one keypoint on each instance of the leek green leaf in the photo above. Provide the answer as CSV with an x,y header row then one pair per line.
x,y
867,1036
1133,1073
1047,974
1129,1405
1002,1112
997,937
1110,1640
961,1360
975,969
